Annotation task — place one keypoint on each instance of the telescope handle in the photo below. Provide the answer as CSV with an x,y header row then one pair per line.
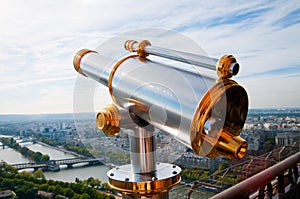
x,y
188,58
144,48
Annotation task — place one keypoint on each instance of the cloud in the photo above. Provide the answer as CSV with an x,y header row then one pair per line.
x,y
266,92
33,82
292,71
289,19
43,97
39,38
258,43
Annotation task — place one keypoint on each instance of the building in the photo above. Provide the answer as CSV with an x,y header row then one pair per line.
x,y
287,138
7,194
46,132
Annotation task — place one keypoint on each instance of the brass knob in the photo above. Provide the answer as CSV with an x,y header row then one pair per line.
x,y
108,120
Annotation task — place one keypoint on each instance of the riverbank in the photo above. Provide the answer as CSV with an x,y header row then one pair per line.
x,y
60,148
80,171
35,156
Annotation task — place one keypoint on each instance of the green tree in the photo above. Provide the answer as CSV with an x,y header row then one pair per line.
x,y
6,184
8,170
24,151
25,192
25,175
44,187
93,182
26,184
51,188
76,187
37,156
58,189
45,158
85,196
68,192
16,146
51,182
39,174
76,196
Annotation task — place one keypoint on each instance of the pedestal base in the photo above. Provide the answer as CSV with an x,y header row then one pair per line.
x,y
145,185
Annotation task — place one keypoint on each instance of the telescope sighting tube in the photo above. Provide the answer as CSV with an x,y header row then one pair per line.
x,y
188,58
203,113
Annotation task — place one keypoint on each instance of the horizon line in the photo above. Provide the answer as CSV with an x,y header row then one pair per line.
x,y
33,114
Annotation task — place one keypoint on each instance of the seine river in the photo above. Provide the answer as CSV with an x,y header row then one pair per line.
x,y
79,171
68,175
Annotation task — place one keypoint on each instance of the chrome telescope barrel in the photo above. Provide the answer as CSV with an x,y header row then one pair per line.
x,y
205,114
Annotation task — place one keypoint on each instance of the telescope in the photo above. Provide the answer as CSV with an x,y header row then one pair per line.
x,y
190,97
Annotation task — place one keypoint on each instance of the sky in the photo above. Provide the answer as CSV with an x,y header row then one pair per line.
x,y
40,38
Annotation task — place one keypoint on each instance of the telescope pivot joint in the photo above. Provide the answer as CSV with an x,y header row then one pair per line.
x,y
140,49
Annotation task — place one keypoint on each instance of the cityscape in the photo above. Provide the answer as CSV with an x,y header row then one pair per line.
x,y
265,130
216,81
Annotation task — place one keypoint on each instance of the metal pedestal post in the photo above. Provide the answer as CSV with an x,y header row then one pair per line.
x,y
144,177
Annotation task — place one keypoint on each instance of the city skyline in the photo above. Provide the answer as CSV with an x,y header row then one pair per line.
x,y
39,40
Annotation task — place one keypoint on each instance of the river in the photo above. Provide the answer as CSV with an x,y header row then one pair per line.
x,y
67,175
78,171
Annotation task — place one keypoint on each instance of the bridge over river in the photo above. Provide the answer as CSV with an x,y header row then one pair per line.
x,y
53,165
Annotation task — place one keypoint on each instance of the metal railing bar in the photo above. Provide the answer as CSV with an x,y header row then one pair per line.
x,y
269,190
255,182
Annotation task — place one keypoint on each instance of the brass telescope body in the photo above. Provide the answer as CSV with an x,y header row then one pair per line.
x,y
204,113
225,103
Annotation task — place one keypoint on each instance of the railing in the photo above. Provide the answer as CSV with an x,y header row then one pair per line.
x,y
76,160
28,165
274,181
57,162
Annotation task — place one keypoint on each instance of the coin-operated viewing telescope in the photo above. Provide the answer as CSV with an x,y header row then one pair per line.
x,y
177,95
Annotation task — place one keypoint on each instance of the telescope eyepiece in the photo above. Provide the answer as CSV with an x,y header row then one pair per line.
x,y
227,67
234,69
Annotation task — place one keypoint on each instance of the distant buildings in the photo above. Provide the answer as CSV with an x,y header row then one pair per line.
x,y
282,127
191,160
263,128
46,132
287,138
63,131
